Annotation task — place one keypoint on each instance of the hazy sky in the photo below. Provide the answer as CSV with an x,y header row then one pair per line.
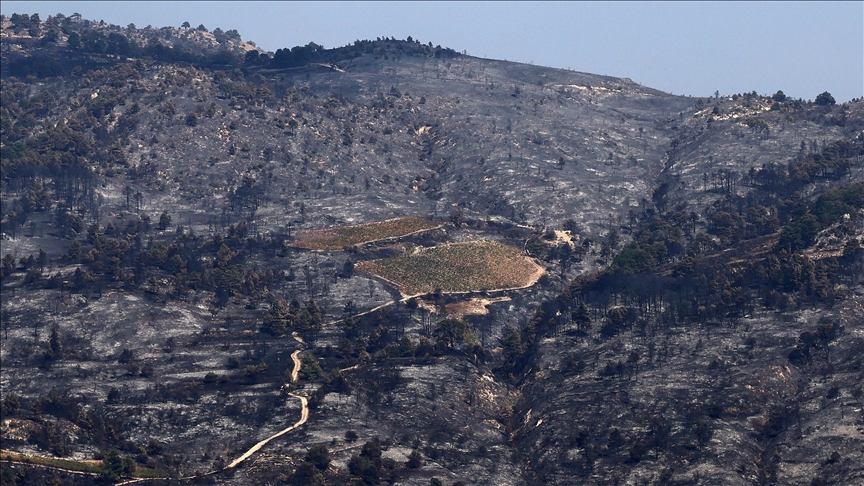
x,y
803,48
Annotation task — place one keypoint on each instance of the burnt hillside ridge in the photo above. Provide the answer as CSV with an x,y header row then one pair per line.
x,y
697,318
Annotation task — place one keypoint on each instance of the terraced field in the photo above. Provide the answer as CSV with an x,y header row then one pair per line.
x,y
457,267
334,239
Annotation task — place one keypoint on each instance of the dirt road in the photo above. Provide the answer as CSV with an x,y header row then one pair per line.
x,y
304,411
304,416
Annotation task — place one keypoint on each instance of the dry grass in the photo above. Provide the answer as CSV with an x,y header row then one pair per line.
x,y
339,238
458,267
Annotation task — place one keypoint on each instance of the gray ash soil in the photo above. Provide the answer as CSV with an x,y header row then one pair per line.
x,y
187,381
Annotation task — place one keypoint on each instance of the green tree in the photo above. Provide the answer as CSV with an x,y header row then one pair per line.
x,y
615,320
43,259
351,329
800,233
451,332
581,317
512,344
55,343
126,356
74,40
368,464
348,269
406,347
164,220
153,286
8,265
565,256
310,370
10,405
12,218
727,226
251,57
224,255
319,456
306,475
310,320
825,99
279,318
457,217
116,465
634,259
415,459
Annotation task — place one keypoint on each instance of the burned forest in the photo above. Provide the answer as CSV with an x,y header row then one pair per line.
x,y
395,263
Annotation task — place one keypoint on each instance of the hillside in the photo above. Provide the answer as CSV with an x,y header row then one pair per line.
x,y
186,255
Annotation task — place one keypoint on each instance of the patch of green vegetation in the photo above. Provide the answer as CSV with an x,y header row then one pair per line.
x,y
148,472
339,238
460,267
832,205
801,232
634,259
91,467
95,467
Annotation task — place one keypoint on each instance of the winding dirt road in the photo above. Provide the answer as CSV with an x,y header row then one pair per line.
x,y
304,416
304,411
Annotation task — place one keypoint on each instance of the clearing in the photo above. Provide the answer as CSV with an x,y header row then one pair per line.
x,y
457,267
334,239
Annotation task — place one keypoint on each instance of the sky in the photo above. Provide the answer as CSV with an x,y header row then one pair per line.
x,y
802,48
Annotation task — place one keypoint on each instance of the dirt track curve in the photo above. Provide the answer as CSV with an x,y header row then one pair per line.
x,y
304,413
304,416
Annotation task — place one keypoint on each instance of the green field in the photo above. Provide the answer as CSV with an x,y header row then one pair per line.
x,y
95,467
338,238
458,267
